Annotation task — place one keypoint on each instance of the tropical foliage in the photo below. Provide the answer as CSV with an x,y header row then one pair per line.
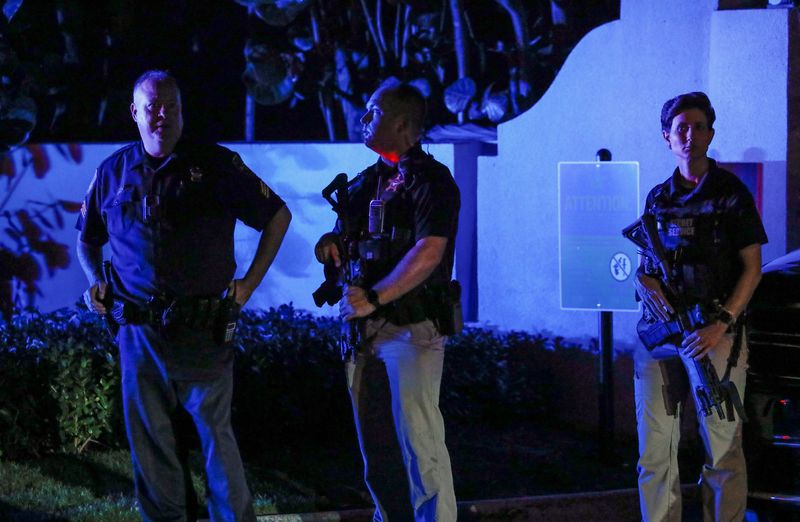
x,y
60,388
474,61
27,247
67,67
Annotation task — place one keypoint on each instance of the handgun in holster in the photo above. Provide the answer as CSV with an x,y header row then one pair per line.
x,y
112,324
450,316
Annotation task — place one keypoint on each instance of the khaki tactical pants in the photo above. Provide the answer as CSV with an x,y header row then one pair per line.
x,y
395,394
723,481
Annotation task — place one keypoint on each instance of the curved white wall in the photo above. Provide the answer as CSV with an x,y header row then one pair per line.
x,y
609,95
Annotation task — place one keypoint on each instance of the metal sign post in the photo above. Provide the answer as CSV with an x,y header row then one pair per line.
x,y
605,383
596,199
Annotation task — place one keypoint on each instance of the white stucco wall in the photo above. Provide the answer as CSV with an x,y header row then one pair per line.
x,y
609,95
748,85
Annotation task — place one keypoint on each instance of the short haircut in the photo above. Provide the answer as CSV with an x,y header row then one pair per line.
x,y
690,100
155,75
408,100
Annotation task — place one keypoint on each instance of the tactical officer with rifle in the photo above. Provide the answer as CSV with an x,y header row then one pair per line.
x,y
392,249
701,235
167,208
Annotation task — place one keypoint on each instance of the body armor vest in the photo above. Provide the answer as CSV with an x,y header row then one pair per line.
x,y
701,254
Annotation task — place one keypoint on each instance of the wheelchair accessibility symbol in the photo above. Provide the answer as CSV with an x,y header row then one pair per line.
x,y
620,266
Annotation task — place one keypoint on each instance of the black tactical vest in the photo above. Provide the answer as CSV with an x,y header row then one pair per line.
x,y
693,232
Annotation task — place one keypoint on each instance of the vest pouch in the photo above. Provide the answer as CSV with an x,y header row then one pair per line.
x,y
373,249
227,320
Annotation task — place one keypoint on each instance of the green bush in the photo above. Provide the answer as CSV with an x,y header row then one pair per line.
x,y
59,380
83,382
59,383
289,381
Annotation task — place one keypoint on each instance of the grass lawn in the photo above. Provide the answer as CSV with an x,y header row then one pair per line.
x,y
96,487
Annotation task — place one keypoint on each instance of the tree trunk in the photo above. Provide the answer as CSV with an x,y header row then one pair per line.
x,y
519,67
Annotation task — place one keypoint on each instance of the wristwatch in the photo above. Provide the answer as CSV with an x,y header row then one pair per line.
x,y
372,298
724,316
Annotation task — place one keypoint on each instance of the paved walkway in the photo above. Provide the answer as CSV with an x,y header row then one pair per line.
x,y
604,506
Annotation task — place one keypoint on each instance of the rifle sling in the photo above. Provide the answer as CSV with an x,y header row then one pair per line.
x,y
732,399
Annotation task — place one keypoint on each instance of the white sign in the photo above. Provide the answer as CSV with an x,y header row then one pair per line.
x,y
596,201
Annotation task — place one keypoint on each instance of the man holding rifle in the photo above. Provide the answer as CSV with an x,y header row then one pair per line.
x,y
711,233
399,243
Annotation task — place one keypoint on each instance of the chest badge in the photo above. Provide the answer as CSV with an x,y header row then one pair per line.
x,y
395,182
195,174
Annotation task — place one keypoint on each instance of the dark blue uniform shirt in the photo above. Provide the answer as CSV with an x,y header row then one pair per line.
x,y
169,223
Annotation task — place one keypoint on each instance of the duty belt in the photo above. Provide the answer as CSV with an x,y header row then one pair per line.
x,y
196,312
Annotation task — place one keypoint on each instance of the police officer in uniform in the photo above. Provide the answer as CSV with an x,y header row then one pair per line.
x,y
167,208
710,227
405,211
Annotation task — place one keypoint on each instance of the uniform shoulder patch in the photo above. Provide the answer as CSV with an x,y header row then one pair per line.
x,y
239,165
88,193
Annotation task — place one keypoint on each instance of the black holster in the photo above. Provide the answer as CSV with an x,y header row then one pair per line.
x,y
447,314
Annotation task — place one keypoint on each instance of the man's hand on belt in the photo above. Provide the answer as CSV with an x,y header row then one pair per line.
x,y
241,291
94,296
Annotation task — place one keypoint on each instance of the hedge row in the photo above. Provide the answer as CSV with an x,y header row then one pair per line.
x,y
59,380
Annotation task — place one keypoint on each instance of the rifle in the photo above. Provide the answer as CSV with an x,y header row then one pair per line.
x,y
644,233
348,273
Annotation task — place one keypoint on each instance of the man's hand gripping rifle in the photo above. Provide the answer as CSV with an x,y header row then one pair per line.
x,y
644,234
348,273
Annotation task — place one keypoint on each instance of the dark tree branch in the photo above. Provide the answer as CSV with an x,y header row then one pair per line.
x,y
373,34
460,44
